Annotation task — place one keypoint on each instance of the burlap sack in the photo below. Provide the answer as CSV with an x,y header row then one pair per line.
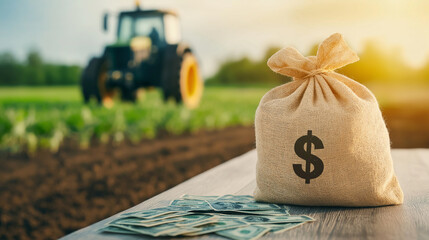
x,y
321,139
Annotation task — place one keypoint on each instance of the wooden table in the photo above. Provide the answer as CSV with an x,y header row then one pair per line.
x,y
407,221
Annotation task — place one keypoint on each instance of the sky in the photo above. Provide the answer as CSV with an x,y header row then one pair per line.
x,y
69,31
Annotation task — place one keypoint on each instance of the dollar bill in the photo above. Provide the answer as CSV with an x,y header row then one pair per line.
x,y
199,223
281,227
195,197
113,229
274,219
191,219
190,202
284,206
139,222
251,232
156,218
235,206
236,198
216,226
172,209
203,205
152,213
231,216
178,232
151,231
273,212
200,207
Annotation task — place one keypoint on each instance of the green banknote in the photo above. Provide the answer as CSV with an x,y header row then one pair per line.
x,y
214,227
172,209
112,229
195,197
139,222
230,216
152,213
161,230
235,198
281,227
235,206
198,207
214,219
250,232
159,217
192,219
274,219
273,212
190,202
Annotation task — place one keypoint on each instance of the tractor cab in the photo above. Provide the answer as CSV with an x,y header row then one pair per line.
x,y
148,52
161,27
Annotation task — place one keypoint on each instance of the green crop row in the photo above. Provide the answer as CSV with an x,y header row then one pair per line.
x,y
31,124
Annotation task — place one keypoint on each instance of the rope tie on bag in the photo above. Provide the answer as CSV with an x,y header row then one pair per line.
x,y
333,53
314,73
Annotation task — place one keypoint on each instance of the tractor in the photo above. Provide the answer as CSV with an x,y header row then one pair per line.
x,y
148,53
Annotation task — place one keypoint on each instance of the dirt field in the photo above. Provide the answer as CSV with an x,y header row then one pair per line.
x,y
49,195
408,125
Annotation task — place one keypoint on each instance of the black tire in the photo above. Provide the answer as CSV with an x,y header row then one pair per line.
x,y
128,95
93,82
89,80
182,81
171,74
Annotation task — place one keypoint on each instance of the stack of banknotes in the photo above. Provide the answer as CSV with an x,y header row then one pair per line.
x,y
230,216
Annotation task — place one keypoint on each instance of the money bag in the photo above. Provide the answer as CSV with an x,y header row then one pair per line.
x,y
321,139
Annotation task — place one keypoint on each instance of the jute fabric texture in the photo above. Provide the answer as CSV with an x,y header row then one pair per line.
x,y
321,139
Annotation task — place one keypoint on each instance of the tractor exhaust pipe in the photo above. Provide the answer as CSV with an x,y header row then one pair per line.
x,y
138,8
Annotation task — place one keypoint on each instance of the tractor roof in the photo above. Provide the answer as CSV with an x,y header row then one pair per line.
x,y
152,11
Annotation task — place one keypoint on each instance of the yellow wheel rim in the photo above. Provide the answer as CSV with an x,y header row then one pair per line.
x,y
191,86
106,95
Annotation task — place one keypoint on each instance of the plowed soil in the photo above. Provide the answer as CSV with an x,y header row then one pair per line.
x,y
47,195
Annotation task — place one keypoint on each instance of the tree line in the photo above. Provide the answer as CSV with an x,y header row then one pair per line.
x,y
376,64
247,71
34,71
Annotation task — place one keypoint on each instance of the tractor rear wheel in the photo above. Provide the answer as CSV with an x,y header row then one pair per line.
x,y
93,82
182,80
88,85
129,95
191,85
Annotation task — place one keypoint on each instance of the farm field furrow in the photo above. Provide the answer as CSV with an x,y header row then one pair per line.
x,y
79,187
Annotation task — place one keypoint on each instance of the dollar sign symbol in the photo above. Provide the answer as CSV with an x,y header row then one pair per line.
x,y
308,157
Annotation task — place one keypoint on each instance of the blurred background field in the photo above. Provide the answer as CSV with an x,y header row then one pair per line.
x,y
31,119
34,118
66,164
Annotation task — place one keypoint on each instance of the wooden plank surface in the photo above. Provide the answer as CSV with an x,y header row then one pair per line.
x,y
407,221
